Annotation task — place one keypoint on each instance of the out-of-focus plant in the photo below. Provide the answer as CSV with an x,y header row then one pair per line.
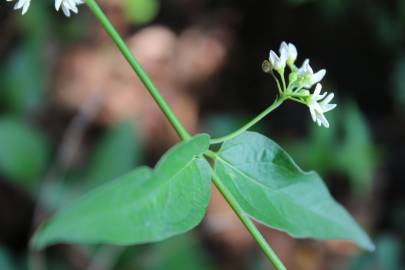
x,y
386,19
397,80
6,262
117,151
387,256
255,175
140,11
24,152
346,147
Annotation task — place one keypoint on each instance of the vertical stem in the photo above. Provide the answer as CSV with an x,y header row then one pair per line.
x,y
247,222
115,36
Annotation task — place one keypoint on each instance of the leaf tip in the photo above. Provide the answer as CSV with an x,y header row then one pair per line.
x,y
36,243
368,245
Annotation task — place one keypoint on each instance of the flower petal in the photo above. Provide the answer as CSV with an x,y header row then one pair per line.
x,y
317,77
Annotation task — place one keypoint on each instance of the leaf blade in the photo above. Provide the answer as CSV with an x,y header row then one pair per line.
x,y
272,189
165,202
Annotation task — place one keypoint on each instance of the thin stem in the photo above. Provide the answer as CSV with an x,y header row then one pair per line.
x,y
109,28
251,123
280,91
297,100
283,80
247,222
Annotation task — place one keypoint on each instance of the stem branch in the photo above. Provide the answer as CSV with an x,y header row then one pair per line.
x,y
115,36
251,123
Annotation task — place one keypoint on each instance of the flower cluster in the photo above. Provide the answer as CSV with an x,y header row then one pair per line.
x,y
300,81
67,6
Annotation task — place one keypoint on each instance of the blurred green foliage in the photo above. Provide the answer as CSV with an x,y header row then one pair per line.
x,y
116,153
21,80
141,11
23,73
24,152
6,262
345,147
398,80
182,252
386,257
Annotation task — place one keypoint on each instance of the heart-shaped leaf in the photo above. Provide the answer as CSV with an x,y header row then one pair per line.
x,y
143,206
272,189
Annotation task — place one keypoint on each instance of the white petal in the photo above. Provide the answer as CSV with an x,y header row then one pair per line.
x,y
25,7
320,97
318,76
313,115
292,51
19,4
324,121
58,3
317,91
283,51
328,99
273,58
65,10
329,107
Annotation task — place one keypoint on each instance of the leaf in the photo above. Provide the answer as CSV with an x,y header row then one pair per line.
x,y
23,151
271,188
143,206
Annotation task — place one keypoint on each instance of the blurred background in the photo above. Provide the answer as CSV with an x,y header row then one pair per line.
x,y
73,116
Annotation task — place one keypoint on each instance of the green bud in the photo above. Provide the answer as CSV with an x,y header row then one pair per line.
x,y
292,77
266,66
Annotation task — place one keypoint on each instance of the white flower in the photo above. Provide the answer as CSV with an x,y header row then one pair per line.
x,y
318,105
307,76
68,6
23,4
278,63
291,52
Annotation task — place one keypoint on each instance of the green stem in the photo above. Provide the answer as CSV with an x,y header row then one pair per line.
x,y
283,80
109,28
251,123
247,222
115,36
280,91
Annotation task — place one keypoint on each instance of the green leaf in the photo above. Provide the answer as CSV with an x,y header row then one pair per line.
x,y
143,206
271,188
23,152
